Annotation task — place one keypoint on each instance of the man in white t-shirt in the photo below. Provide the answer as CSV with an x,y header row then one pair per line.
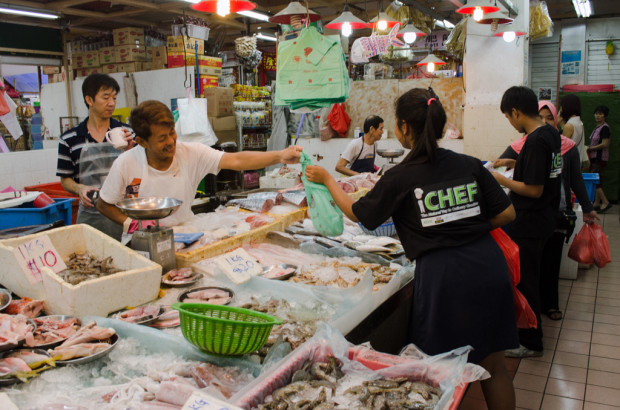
x,y
359,156
161,167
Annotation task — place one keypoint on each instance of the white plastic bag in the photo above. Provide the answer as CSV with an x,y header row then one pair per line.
x,y
193,124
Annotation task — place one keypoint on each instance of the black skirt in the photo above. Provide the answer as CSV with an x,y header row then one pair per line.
x,y
463,296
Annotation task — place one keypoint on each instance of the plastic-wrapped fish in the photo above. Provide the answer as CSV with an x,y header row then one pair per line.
x,y
259,202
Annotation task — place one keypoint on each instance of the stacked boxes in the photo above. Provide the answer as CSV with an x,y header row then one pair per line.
x,y
129,53
220,111
182,44
86,59
159,57
128,36
107,56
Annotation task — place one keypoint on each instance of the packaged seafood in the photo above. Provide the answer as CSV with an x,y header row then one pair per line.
x,y
329,372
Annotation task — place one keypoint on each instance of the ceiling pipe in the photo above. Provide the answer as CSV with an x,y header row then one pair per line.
x,y
425,9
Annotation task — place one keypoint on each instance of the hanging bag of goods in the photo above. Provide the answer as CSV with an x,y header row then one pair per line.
x,y
325,215
311,71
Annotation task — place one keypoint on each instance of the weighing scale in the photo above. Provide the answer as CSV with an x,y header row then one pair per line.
x,y
155,242
391,154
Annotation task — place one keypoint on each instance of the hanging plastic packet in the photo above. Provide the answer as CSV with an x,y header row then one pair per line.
x,y
325,214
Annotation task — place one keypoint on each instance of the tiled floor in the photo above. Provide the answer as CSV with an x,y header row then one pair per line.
x,y
580,368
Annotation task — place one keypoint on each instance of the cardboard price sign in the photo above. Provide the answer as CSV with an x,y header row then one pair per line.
x,y
202,401
37,254
239,265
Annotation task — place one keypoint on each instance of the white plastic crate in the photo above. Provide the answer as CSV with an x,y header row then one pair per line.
x,y
138,283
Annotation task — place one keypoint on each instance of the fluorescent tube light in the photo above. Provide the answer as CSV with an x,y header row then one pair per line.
x,y
254,15
583,8
445,24
266,37
27,13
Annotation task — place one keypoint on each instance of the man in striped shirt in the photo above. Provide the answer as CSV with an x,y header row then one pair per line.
x,y
83,159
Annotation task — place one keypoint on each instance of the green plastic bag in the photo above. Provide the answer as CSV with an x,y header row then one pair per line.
x,y
325,214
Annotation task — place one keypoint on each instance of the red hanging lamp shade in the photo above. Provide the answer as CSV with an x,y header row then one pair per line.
x,y
210,6
471,5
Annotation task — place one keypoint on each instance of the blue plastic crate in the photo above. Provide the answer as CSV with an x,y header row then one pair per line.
x,y
27,214
591,181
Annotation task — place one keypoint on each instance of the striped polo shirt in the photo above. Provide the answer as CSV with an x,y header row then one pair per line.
x,y
70,148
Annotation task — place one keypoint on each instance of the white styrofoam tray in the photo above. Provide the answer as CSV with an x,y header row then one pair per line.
x,y
137,283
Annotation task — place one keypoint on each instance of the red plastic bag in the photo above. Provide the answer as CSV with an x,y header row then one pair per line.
x,y
600,246
581,249
339,120
525,315
4,107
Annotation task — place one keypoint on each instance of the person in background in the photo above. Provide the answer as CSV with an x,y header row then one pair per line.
x,y
598,152
84,155
571,180
161,167
572,126
535,194
444,205
359,156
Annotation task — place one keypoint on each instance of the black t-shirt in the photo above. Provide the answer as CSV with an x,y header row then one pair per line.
x,y
444,204
605,133
538,163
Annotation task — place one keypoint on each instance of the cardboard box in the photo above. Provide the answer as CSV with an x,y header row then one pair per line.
x,y
111,68
50,69
99,296
106,55
125,54
130,67
226,136
128,36
158,65
209,71
211,61
85,59
219,101
180,60
159,56
223,123
85,72
175,44
207,81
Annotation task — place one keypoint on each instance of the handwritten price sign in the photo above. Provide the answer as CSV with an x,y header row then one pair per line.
x,y
202,401
239,265
37,254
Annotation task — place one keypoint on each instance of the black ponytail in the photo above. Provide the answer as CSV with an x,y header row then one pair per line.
x,y
425,117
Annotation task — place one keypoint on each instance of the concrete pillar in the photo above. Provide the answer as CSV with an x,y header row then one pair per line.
x,y
491,66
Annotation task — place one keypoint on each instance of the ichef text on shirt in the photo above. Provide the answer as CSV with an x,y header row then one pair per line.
x,y
447,202
556,165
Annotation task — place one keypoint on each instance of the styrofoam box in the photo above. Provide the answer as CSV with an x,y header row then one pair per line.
x,y
137,283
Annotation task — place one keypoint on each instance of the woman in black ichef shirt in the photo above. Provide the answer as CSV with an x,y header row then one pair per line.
x,y
443,205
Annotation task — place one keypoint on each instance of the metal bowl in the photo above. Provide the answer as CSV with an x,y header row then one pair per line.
x,y
5,298
181,283
390,153
280,266
10,346
13,380
82,360
143,322
148,208
183,295
59,318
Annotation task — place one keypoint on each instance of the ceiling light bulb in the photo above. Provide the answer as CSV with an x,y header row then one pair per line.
x,y
223,7
346,29
382,25
509,36
409,38
478,13
430,67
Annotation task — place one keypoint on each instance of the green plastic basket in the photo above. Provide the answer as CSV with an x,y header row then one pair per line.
x,y
224,330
